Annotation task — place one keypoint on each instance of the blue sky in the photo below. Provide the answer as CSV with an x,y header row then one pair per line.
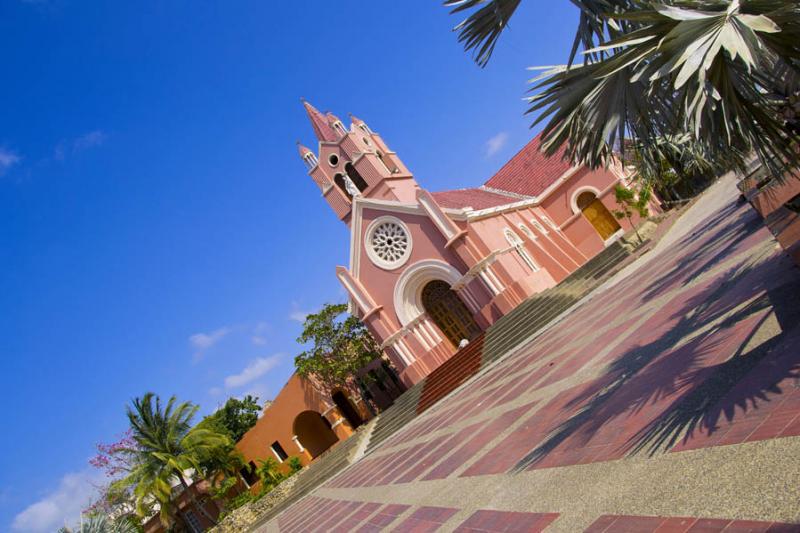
x,y
157,229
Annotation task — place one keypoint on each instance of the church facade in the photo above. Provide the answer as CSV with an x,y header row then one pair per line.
x,y
430,270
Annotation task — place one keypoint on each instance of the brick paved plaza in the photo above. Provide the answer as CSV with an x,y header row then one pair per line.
x,y
668,400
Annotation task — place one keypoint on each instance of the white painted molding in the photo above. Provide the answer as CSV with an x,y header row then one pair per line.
x,y
361,298
573,202
446,227
376,259
408,289
278,457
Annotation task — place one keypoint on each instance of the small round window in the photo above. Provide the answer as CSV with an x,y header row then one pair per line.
x,y
333,160
366,141
388,242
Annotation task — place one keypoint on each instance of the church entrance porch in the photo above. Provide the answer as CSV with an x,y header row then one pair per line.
x,y
314,433
448,312
598,215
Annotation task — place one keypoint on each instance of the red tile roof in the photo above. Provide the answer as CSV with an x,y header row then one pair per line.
x,y
475,198
530,172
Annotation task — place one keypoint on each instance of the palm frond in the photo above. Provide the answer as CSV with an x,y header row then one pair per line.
x,y
482,28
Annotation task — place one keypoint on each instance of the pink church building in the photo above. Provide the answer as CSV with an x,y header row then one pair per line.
x,y
431,270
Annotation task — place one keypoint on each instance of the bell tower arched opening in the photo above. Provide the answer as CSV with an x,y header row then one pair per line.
x,y
355,175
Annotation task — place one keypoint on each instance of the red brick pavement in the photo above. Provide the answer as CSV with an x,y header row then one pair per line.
x,y
695,373
656,524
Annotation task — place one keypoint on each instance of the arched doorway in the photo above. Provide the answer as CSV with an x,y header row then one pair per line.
x,y
346,409
597,214
448,312
313,432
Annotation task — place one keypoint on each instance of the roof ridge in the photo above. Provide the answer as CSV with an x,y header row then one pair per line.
x,y
460,189
503,192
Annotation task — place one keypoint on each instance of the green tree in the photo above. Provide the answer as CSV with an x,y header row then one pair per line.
x,y
630,202
340,346
167,448
670,164
235,418
270,474
294,465
724,72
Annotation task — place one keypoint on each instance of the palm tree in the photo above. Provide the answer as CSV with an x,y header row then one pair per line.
x,y
103,524
167,447
725,72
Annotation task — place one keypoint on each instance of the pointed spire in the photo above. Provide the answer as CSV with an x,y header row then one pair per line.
x,y
309,157
336,124
357,122
303,150
319,122
332,118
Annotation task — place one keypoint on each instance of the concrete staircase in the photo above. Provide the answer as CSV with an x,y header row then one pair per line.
x,y
538,311
323,468
403,411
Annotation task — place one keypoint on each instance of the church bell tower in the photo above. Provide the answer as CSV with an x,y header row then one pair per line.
x,y
352,163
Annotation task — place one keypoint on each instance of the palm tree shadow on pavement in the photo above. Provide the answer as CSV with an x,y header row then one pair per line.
x,y
733,225
678,364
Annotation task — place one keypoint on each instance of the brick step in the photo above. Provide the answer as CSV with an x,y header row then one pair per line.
x,y
461,366
398,415
549,304
467,368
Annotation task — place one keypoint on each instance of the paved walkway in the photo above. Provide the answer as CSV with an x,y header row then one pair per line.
x,y
669,401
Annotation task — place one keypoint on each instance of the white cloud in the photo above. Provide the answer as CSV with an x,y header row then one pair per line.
x,y
252,371
259,330
257,390
299,315
7,160
89,140
78,144
204,341
496,143
74,493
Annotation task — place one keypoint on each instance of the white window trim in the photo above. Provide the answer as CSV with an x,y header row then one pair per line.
x,y
311,160
527,231
574,199
373,255
276,454
519,245
549,222
539,226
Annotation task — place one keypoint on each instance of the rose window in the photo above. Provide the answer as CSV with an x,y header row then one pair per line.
x,y
388,243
